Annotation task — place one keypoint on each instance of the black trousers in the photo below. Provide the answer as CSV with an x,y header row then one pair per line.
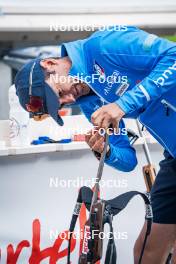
x,y
163,193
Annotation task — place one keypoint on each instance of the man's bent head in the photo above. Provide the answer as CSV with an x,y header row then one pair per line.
x,y
44,86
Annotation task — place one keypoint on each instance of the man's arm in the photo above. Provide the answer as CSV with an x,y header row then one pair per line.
x,y
138,51
159,81
121,155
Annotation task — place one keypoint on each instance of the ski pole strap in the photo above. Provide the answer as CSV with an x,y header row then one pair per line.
x,y
120,202
113,207
116,205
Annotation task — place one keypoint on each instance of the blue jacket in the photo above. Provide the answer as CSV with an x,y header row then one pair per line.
x,y
135,69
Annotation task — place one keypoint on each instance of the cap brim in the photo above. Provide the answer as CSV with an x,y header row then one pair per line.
x,y
53,104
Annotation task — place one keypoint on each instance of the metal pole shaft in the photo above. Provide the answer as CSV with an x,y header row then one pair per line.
x,y
145,146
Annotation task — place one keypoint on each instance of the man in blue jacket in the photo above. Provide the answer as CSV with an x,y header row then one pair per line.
x,y
121,72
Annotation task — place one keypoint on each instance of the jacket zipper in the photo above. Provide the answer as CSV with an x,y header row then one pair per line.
x,y
168,106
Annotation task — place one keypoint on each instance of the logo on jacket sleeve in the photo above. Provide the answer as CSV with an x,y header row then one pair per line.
x,y
99,70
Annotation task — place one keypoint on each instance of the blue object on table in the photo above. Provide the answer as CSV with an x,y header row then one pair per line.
x,y
46,140
66,140
38,142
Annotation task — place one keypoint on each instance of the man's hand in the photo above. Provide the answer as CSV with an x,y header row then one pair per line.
x,y
95,141
107,115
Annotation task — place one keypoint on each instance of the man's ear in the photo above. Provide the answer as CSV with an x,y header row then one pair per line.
x,y
48,63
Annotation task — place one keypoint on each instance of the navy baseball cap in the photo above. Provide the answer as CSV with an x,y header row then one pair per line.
x,y
40,89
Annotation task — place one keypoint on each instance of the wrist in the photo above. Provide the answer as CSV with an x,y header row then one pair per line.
x,y
121,112
122,105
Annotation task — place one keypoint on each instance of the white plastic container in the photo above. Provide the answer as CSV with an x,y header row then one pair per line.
x,y
19,121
